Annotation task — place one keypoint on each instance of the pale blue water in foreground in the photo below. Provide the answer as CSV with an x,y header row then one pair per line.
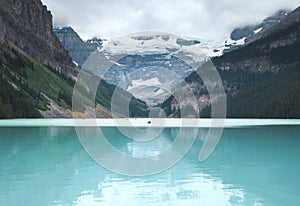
x,y
251,166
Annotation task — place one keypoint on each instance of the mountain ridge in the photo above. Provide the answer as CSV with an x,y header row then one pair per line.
x,y
27,25
236,39
37,73
79,50
246,34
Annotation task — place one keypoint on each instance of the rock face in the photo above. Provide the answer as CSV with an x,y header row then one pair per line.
x,y
150,65
292,18
79,49
27,25
250,33
266,51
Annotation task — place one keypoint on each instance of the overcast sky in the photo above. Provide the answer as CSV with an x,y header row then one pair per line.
x,y
207,19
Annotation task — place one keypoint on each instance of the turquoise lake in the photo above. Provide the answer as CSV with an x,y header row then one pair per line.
x,y
251,166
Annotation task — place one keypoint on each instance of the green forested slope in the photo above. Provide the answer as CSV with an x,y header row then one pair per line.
x,y
25,82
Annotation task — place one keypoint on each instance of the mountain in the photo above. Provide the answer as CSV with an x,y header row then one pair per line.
x,y
36,72
27,25
95,42
267,52
240,36
150,64
243,35
262,78
34,66
139,60
80,50
30,89
292,19
249,32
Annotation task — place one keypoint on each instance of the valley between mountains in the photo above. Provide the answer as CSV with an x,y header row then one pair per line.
x,y
39,65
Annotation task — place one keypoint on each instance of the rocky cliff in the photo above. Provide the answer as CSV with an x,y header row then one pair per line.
x,y
251,33
27,25
80,50
275,49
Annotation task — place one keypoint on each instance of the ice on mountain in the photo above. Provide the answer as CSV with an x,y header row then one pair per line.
x,y
150,65
257,30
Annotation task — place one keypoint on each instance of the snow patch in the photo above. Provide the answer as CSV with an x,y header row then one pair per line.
x,y
235,42
76,64
258,30
148,82
154,43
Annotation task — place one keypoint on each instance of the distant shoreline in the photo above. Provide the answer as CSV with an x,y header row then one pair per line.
x,y
147,122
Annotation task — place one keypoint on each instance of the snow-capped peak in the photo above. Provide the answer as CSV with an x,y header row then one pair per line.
x,y
145,43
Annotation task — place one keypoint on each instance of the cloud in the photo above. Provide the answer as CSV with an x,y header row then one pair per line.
x,y
208,19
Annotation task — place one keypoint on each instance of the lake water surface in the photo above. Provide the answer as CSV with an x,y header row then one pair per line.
x,y
256,165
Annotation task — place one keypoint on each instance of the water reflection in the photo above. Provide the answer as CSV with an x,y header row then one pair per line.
x,y
250,166
165,189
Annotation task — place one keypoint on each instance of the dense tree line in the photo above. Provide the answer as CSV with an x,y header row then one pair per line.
x,y
105,91
15,103
266,94
19,98
277,96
